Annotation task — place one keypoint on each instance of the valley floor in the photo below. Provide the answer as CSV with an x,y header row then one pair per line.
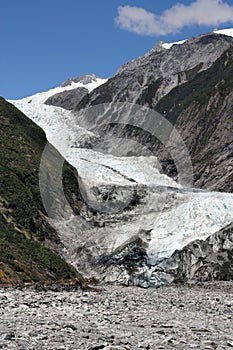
x,y
175,317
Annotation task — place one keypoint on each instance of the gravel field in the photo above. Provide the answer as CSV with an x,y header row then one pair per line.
x,y
120,318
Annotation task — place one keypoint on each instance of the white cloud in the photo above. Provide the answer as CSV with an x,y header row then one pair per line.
x,y
200,12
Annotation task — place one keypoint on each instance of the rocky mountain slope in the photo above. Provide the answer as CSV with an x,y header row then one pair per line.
x,y
189,84
137,223
29,243
201,111
147,79
69,96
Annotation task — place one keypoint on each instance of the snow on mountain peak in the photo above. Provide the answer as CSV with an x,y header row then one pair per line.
x,y
85,80
90,82
228,32
169,45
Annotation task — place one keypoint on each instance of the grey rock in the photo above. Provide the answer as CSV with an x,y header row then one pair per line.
x,y
85,79
147,79
116,348
190,85
199,261
152,319
201,112
67,99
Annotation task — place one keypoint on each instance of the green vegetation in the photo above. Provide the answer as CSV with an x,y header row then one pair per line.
x,y
25,260
24,231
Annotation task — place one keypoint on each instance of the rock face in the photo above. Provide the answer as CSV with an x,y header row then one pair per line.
x,y
73,91
67,99
201,261
85,79
207,260
191,86
29,243
201,111
149,78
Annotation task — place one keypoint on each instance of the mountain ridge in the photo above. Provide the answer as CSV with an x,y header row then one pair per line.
x,y
159,63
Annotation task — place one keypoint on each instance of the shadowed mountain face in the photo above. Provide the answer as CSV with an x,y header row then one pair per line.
x,y
29,244
67,99
201,110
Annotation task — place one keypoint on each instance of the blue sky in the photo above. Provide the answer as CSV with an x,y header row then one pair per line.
x,y
45,42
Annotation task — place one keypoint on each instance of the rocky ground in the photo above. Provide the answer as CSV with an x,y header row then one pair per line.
x,y
176,317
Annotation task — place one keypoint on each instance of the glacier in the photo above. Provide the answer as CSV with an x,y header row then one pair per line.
x,y
150,210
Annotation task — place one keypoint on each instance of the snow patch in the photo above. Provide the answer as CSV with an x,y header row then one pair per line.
x,y
169,45
228,32
41,97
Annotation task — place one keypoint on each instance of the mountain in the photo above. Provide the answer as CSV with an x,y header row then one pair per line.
x,y
188,84
140,142
69,98
29,244
200,110
147,79
85,83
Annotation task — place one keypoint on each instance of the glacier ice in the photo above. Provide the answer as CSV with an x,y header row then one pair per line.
x,y
151,208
